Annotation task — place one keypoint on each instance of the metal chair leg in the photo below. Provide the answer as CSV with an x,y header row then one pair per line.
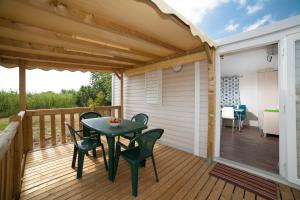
x,y
232,126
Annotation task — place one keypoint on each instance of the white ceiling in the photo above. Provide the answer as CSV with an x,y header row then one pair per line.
x,y
247,62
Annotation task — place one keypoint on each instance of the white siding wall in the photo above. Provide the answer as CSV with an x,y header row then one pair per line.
x,y
177,112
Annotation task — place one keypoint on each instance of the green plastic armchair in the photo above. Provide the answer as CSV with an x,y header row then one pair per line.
x,y
86,131
141,118
83,146
135,155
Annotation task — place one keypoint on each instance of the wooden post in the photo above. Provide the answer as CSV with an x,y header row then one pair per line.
x,y
18,155
53,130
22,86
63,128
122,95
211,107
42,131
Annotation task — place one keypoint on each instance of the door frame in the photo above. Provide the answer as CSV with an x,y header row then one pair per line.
x,y
291,109
244,45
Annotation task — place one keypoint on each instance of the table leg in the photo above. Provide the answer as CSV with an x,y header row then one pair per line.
x,y
111,161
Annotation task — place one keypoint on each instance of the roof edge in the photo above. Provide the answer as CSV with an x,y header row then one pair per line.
x,y
166,9
270,28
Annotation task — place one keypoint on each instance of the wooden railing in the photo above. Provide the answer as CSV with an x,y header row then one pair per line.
x,y
45,127
12,157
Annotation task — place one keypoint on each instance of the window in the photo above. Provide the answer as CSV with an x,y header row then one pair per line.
x,y
153,87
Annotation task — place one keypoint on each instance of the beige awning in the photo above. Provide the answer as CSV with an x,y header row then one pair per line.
x,y
97,35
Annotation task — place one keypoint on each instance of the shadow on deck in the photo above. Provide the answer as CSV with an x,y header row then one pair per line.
x,y
48,175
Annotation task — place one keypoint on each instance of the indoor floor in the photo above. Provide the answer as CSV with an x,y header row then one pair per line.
x,y
250,148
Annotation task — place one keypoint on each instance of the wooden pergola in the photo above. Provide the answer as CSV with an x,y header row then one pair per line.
x,y
119,36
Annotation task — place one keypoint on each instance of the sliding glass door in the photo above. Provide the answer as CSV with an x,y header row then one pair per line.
x,y
293,108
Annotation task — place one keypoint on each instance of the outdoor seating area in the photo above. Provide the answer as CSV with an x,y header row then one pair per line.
x,y
49,175
158,136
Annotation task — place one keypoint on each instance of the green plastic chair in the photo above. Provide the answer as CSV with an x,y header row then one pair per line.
x,y
81,147
87,132
141,118
135,155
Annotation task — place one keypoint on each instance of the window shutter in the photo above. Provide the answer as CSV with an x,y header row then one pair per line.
x,y
153,87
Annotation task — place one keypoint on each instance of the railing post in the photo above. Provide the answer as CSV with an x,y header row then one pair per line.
x,y
17,147
28,137
63,128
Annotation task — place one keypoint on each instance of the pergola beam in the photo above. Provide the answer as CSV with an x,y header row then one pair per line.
x,y
208,53
27,56
10,63
198,56
18,28
87,18
26,45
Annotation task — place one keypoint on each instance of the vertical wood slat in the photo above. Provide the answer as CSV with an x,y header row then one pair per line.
x,y
63,128
72,120
2,177
79,124
112,113
42,131
53,130
28,138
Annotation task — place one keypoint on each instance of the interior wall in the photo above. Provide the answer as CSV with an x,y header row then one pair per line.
x,y
249,96
246,64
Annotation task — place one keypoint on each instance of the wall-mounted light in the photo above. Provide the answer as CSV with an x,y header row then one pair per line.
x,y
177,68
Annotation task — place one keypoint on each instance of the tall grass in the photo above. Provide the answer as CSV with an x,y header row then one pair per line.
x,y
9,101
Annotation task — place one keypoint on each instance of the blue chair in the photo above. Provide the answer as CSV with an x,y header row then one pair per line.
x,y
243,114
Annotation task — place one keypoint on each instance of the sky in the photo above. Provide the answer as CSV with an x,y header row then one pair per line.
x,y
216,18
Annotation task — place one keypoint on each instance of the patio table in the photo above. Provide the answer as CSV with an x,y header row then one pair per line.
x,y
101,126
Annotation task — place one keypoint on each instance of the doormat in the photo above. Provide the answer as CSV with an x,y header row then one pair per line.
x,y
245,180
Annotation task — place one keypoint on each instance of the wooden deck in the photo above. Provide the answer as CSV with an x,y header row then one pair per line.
x,y
48,175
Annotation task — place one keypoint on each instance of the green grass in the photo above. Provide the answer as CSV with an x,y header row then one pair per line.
x,y
9,101
3,123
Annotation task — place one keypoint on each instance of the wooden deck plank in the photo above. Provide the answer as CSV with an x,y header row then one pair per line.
x,y
187,186
163,168
217,190
105,185
249,195
227,192
238,193
72,187
206,190
286,192
296,193
198,186
48,175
